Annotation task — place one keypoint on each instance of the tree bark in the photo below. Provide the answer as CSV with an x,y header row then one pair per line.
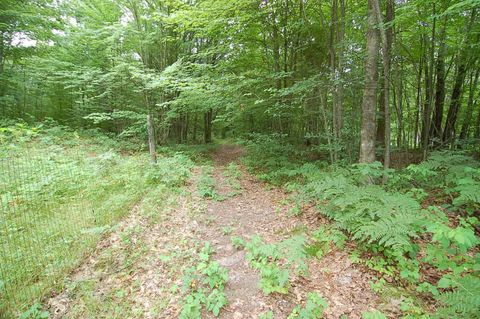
x,y
337,31
151,139
207,133
477,124
367,135
195,128
455,100
470,105
436,126
428,91
386,33
449,131
418,101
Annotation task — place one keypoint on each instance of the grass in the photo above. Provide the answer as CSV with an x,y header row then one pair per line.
x,y
91,298
59,192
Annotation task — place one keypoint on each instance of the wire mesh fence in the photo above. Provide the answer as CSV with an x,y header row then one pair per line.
x,y
49,216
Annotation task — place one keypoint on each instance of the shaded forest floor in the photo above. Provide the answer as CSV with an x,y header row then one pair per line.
x,y
138,271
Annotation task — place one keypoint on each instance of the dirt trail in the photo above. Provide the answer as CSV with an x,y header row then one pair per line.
x,y
258,211
136,272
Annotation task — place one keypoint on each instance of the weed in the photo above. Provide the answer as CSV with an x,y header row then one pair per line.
x,y
266,315
204,285
206,185
227,230
234,175
314,308
373,315
35,312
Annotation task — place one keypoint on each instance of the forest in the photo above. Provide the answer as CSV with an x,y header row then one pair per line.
x,y
239,159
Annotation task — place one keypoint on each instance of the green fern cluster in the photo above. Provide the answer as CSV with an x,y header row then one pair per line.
x,y
455,172
463,301
369,213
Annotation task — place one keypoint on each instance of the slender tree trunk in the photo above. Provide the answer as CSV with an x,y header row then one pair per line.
x,y
418,101
399,103
367,143
323,104
1,54
436,127
195,121
337,31
207,134
276,51
428,91
333,69
470,104
386,35
151,139
285,41
477,123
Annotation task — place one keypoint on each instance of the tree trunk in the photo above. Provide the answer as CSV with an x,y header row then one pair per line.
x,y
207,133
455,100
367,143
470,105
436,126
418,101
195,127
477,124
428,91
1,53
386,34
325,124
337,31
151,139
398,103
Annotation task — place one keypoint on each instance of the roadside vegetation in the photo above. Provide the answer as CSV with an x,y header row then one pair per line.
x,y
60,192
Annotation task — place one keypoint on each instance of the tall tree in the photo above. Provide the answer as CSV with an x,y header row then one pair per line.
x,y
436,124
367,142
463,60
467,120
386,36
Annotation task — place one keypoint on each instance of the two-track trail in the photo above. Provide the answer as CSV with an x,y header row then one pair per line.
x,y
136,272
257,210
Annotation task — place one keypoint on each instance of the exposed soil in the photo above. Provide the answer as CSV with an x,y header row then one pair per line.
x,y
255,210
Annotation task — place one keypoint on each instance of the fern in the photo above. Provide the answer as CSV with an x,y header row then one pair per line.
x,y
463,301
375,216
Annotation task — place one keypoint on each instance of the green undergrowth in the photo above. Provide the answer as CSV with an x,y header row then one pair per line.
x,y
426,214
313,309
234,175
276,261
90,297
203,286
60,191
206,184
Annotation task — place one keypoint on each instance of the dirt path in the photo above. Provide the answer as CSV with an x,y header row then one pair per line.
x,y
258,211
137,271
